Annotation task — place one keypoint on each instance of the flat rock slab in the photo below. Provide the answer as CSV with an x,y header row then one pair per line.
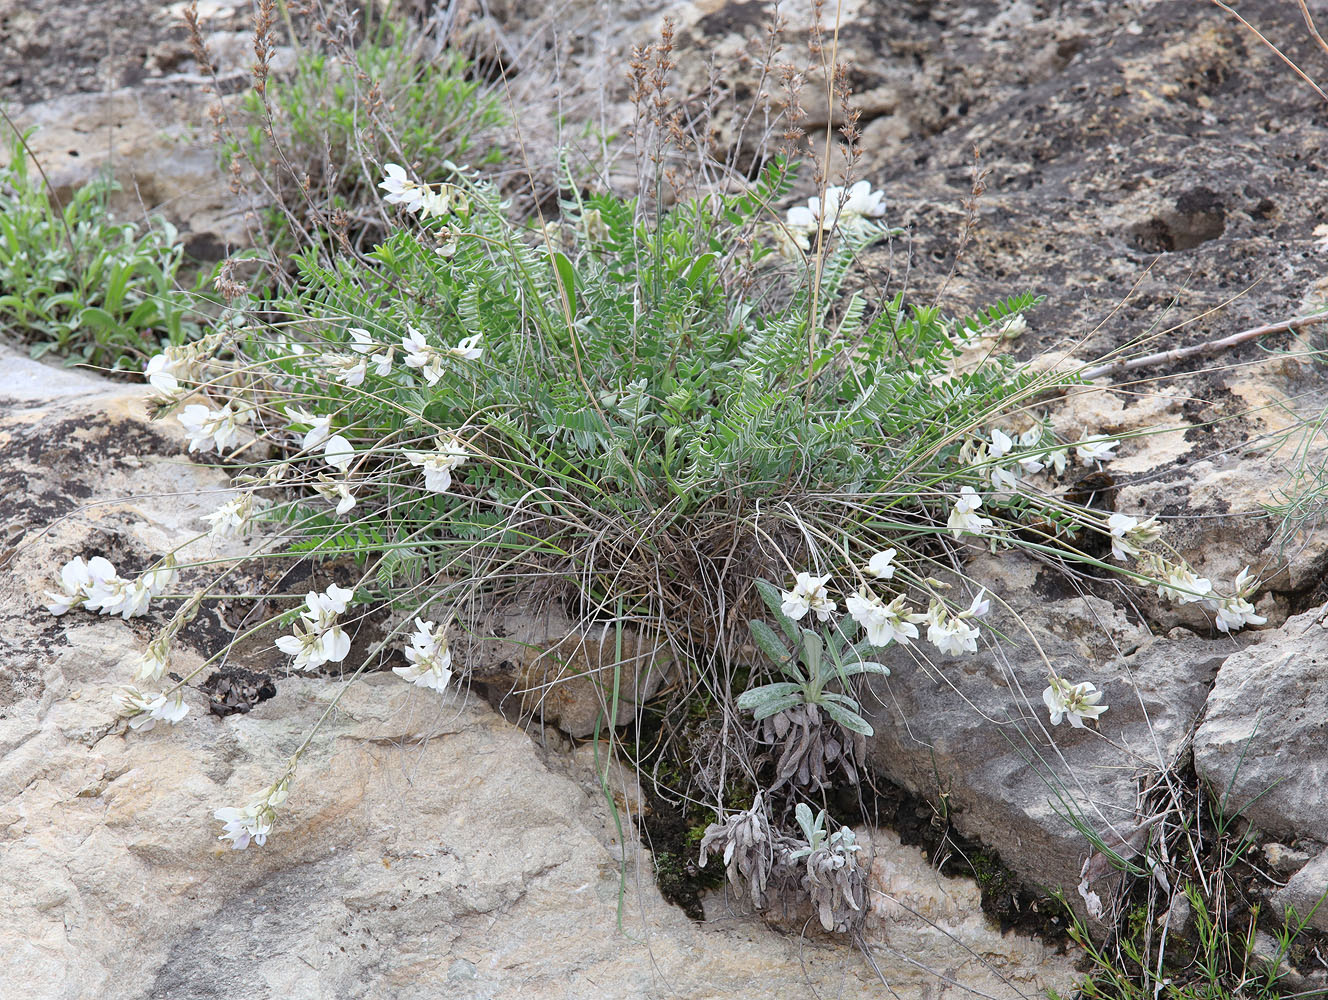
x,y
1263,745
972,734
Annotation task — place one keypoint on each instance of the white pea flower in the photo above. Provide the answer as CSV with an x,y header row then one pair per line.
x,y
211,430
338,453
1120,525
801,220
863,201
334,600
1001,443
316,637
144,711
1095,450
338,492
881,565
312,646
1235,612
429,656
964,518
847,206
468,348
1181,586
155,662
1058,459
161,577
244,826
75,579
436,203
438,465
808,594
110,594
884,623
421,354
231,517
1075,702
401,190
350,371
1031,438
1012,326
950,634
1030,464
254,822
164,370
383,362
418,351
320,428
362,341
102,584
980,606
1004,482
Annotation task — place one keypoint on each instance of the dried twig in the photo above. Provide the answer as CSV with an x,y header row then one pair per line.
x,y
1212,347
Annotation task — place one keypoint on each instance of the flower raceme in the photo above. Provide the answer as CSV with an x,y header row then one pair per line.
x,y
144,711
232,516
429,656
96,586
429,360
316,637
808,594
214,430
854,206
423,199
1075,702
401,189
884,623
254,822
950,633
438,465
964,518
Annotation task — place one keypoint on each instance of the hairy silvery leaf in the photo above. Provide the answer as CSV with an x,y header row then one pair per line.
x,y
775,602
849,720
754,698
866,667
766,638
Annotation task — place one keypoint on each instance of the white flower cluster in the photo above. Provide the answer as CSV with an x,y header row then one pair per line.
x,y
165,370
843,207
885,622
144,710
317,636
952,633
429,656
429,360
180,363
254,822
1178,582
808,594
421,199
964,518
1005,458
451,452
214,430
95,586
231,517
1075,702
